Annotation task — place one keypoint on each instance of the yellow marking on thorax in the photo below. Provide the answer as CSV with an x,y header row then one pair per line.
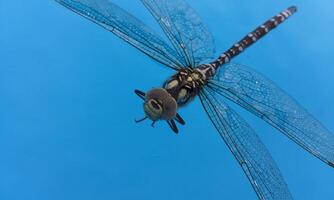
x,y
172,84
182,94
195,76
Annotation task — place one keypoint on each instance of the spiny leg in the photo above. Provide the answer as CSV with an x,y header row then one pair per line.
x,y
140,94
179,119
173,126
140,120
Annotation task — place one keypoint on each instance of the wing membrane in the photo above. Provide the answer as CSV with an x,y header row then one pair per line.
x,y
263,98
124,25
246,147
191,39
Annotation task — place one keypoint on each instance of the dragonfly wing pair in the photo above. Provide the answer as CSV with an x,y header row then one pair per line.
x,y
263,98
246,147
189,39
260,96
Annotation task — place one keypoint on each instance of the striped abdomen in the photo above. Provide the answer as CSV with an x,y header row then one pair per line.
x,y
247,41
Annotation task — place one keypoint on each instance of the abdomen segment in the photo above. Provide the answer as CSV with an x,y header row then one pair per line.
x,y
254,36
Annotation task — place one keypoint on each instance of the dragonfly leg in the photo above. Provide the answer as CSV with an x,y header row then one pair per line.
x,y
140,120
153,123
173,126
140,94
179,119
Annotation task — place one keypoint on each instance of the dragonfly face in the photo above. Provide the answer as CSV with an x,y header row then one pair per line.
x,y
159,105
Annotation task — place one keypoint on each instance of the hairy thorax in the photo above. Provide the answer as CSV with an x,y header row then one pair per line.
x,y
185,85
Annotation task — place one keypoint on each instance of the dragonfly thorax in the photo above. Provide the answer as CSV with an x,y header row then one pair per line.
x,y
184,85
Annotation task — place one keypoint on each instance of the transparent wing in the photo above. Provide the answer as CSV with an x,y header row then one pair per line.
x,y
127,27
246,147
263,98
184,28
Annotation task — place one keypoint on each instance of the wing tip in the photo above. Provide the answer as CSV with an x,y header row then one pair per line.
x,y
331,163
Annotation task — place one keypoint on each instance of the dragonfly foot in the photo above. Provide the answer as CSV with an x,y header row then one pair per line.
x,y
138,121
173,126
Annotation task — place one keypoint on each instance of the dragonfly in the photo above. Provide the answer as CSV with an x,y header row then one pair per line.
x,y
189,51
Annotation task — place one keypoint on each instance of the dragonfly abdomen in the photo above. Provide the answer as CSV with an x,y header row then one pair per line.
x,y
254,36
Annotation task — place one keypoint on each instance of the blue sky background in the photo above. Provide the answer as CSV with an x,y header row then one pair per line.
x,y
67,106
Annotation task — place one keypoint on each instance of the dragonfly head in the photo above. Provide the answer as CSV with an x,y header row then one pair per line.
x,y
160,105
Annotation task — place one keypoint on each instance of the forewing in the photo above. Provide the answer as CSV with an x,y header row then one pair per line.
x,y
246,147
263,98
124,25
184,28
